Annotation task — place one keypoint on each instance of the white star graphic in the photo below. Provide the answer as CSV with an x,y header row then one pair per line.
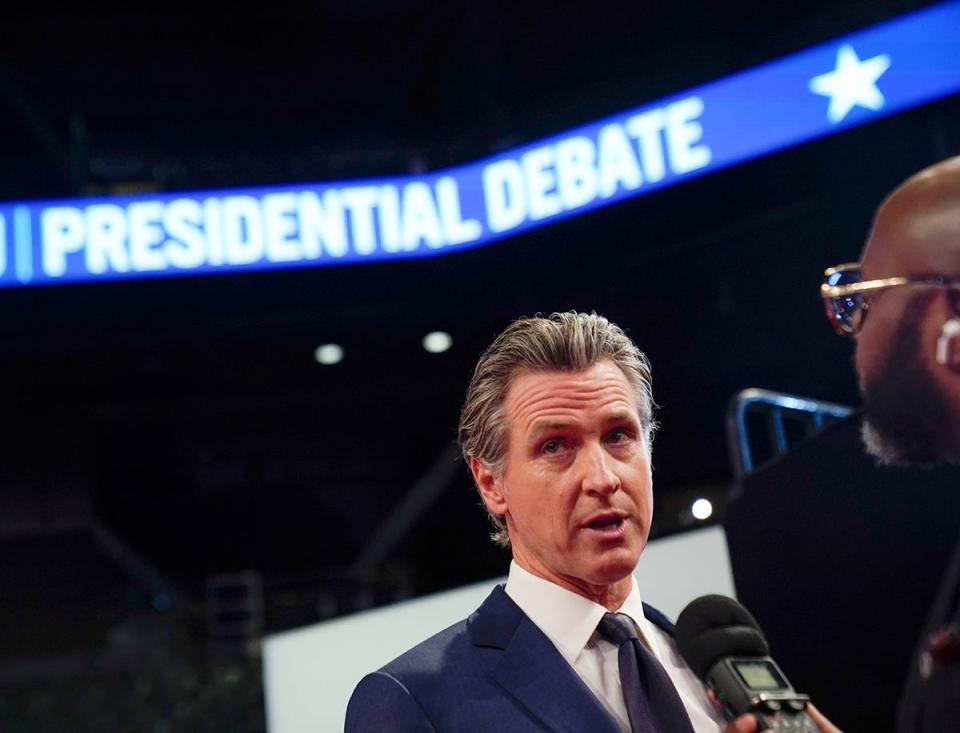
x,y
853,82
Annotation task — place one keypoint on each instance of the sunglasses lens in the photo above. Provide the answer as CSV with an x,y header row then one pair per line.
x,y
845,312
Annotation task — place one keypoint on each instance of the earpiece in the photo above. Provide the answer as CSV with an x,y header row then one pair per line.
x,y
948,344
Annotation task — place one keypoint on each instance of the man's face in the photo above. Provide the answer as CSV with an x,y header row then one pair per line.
x,y
905,414
886,254
576,490
882,322
904,404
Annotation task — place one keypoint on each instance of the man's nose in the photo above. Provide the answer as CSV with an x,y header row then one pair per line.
x,y
598,475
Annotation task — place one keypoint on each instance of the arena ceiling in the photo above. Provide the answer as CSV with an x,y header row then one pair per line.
x,y
191,412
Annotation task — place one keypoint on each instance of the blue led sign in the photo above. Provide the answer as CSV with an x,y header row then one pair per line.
x,y
836,85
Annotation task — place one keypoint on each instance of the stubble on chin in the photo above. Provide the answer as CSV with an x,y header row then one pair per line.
x,y
905,417
884,449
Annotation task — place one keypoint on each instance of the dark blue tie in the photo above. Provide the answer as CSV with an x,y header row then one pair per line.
x,y
652,701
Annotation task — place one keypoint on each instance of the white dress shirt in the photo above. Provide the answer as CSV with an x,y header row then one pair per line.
x,y
570,621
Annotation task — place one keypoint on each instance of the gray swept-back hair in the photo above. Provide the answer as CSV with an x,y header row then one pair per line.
x,y
560,342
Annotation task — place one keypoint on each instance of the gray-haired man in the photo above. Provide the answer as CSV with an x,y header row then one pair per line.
x,y
556,430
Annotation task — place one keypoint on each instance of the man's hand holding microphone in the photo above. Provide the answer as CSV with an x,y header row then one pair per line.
x,y
723,644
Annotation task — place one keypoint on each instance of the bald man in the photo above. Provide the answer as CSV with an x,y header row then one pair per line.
x,y
901,303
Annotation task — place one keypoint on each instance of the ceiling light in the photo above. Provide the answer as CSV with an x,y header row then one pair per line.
x,y
701,509
328,354
436,342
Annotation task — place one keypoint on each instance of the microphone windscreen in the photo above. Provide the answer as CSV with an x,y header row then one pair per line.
x,y
715,626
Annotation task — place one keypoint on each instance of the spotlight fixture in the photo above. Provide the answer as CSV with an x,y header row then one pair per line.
x,y
701,509
328,354
436,342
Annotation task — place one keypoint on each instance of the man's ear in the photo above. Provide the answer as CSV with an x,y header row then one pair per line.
x,y
489,486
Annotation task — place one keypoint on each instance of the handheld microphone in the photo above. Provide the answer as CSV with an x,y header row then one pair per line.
x,y
722,643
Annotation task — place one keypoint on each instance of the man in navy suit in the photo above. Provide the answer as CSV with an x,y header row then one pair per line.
x,y
556,428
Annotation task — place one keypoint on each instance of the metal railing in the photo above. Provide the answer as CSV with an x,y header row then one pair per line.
x,y
780,421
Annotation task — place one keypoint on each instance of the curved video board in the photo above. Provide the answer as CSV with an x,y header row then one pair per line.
x,y
851,80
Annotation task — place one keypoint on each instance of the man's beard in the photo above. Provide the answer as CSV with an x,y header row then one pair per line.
x,y
905,417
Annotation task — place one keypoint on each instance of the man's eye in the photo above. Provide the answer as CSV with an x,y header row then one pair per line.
x,y
551,446
619,435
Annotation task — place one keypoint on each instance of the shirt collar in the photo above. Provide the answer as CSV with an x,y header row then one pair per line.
x,y
567,618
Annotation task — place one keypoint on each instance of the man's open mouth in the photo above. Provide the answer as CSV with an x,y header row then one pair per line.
x,y
605,523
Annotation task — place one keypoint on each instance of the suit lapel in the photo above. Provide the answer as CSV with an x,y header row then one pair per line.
x,y
658,619
533,672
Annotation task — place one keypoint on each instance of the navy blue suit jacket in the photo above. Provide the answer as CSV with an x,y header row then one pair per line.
x,y
495,671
